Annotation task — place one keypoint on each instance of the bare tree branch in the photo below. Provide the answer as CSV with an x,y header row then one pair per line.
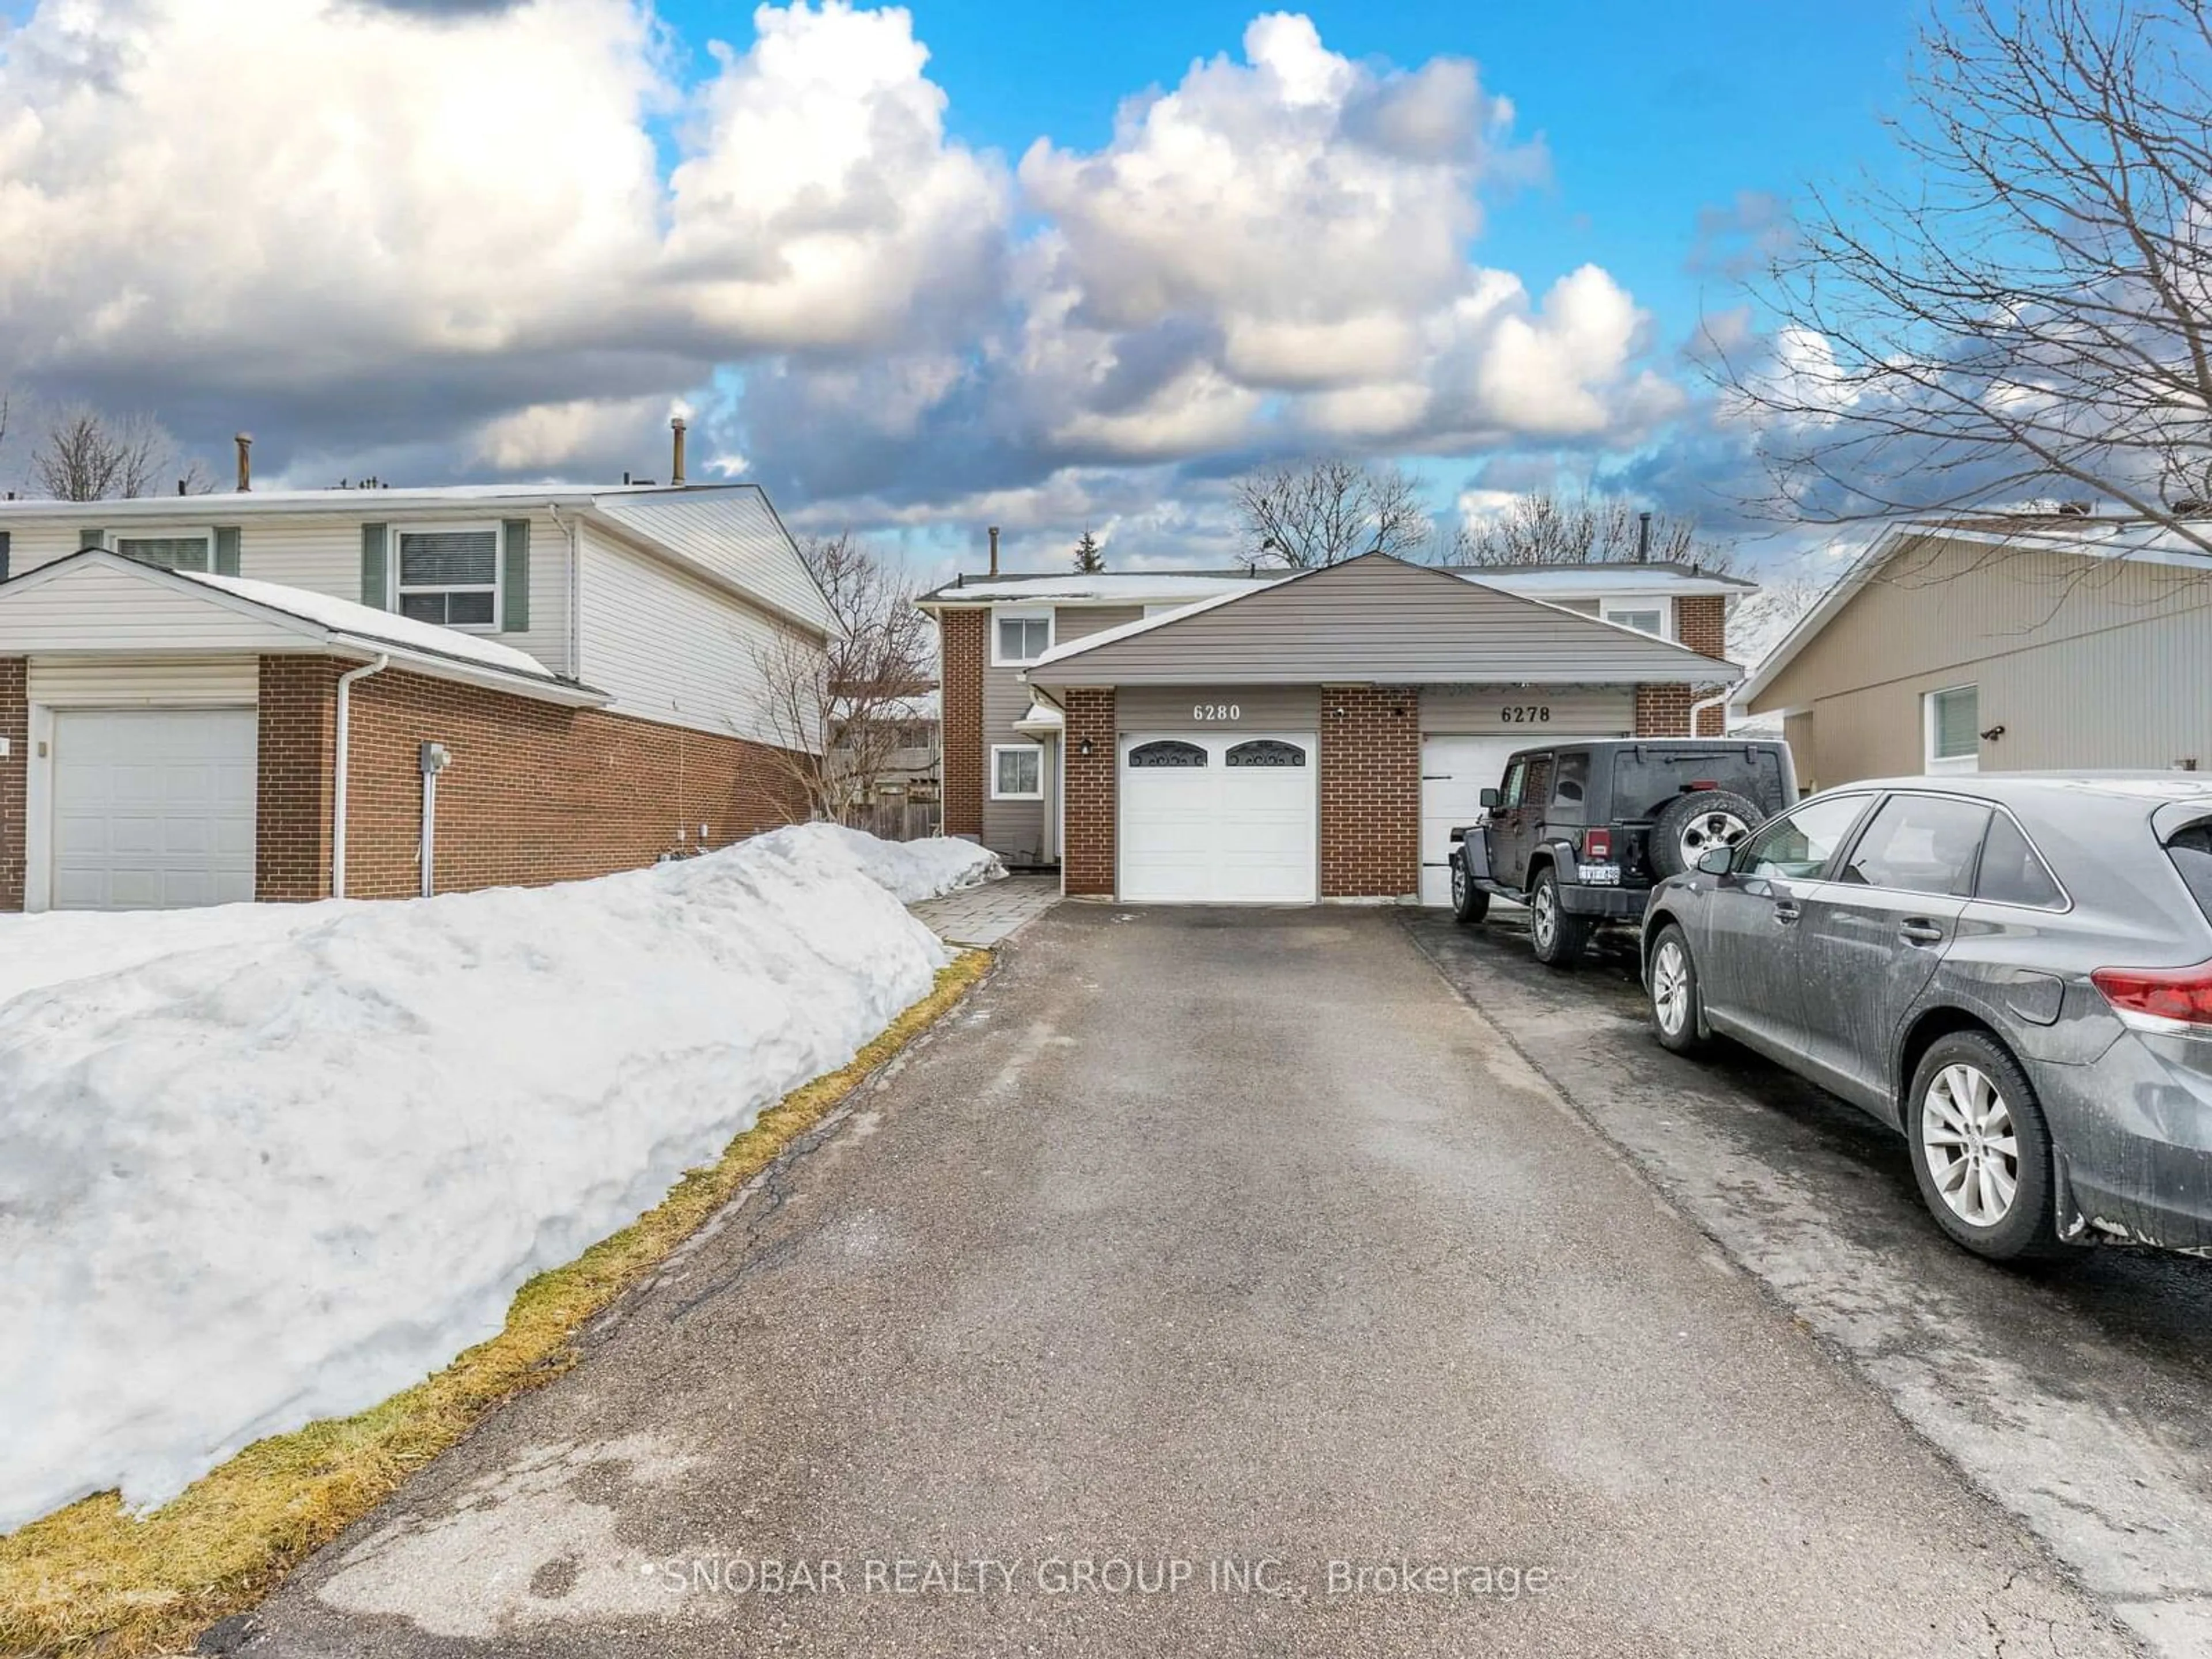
x,y
2032,318
839,713
1304,514
86,456
1542,528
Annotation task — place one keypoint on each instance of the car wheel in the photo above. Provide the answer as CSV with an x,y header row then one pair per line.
x,y
1558,936
1980,1150
1469,903
1672,979
1690,826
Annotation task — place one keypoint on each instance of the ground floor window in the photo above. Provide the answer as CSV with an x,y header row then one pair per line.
x,y
1952,719
1017,772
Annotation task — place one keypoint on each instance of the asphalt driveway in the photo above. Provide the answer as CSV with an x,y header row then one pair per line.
x,y
1196,1238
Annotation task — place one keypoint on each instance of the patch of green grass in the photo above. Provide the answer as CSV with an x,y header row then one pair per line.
x,y
93,1579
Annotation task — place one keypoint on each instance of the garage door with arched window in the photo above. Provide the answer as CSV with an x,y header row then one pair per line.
x,y
1224,820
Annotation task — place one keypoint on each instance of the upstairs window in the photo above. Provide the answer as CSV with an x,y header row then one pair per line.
x,y
170,550
1021,636
449,575
1643,618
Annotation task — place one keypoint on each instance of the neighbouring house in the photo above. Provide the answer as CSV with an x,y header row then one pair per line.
x,y
890,756
1285,738
2016,643
281,694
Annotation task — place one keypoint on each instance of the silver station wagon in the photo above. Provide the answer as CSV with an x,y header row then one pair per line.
x,y
2015,972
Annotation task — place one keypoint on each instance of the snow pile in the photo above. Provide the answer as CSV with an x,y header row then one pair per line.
x,y
300,1157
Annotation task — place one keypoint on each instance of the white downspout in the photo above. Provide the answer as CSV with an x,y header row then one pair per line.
x,y
339,769
573,530
1720,701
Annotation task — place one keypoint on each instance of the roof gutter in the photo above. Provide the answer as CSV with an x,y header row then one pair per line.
x,y
339,769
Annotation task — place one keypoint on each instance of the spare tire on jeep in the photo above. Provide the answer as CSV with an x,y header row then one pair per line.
x,y
1690,824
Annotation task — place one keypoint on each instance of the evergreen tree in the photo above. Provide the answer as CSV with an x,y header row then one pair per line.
x,y
1090,557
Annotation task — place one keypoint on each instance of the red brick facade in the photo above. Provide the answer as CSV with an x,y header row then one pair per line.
x,y
962,637
1087,836
1663,711
1701,623
1371,792
535,793
292,810
15,774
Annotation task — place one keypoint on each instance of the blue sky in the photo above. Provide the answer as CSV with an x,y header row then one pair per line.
x,y
1650,112
436,239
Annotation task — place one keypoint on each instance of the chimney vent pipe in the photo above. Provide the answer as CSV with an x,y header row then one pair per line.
x,y
676,465
995,549
1643,536
244,463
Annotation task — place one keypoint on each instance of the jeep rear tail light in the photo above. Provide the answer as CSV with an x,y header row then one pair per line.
x,y
2175,1000
1597,845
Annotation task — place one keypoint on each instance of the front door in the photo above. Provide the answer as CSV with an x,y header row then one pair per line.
x,y
1747,951
1874,935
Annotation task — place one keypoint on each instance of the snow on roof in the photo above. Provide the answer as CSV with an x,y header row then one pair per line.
x,y
1145,624
1132,587
364,622
1118,586
231,502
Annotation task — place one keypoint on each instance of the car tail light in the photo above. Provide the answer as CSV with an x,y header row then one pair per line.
x,y
1597,845
1696,785
2171,1000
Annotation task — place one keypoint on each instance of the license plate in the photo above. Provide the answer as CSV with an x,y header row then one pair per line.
x,y
1598,875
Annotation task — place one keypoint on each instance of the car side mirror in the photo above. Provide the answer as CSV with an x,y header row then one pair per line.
x,y
1489,798
1717,860
1459,835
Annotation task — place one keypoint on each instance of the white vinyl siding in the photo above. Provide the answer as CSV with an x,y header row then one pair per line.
x,y
321,553
671,647
110,682
96,608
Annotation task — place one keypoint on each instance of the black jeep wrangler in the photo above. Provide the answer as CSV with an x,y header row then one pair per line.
x,y
1580,832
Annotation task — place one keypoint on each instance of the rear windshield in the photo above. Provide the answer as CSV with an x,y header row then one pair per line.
x,y
1645,779
2192,852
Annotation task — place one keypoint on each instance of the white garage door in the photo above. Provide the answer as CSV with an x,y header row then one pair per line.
x,y
153,808
1227,819
1455,771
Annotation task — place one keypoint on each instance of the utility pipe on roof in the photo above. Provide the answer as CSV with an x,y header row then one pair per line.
x,y
339,769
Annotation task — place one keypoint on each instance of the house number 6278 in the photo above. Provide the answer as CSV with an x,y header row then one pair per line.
x,y
1216,711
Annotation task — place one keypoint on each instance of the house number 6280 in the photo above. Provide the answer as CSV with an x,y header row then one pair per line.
x,y
1216,711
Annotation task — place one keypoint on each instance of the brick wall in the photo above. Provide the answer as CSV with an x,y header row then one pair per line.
x,y
1371,792
1086,832
535,793
1701,623
1663,711
961,635
298,735
14,772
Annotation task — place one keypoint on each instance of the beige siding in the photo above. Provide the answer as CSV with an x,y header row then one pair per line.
x,y
1178,708
90,607
1797,732
669,647
108,682
1530,712
2085,663
1015,828
321,554
1377,619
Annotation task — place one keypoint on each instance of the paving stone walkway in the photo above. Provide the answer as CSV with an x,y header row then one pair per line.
x,y
992,912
